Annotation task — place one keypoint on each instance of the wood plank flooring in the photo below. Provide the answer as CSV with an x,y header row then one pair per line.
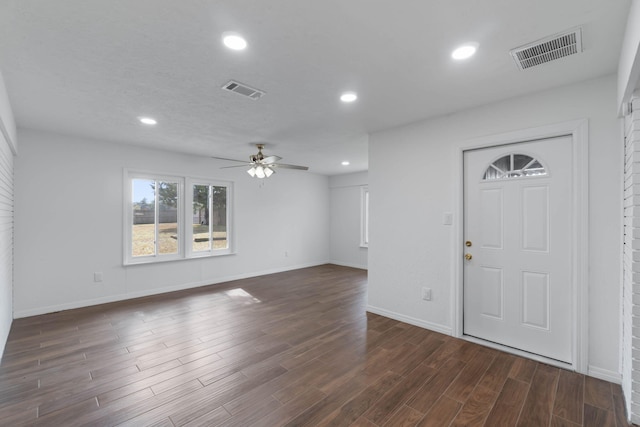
x,y
288,349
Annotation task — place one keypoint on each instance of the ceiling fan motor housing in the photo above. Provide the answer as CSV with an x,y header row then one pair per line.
x,y
257,157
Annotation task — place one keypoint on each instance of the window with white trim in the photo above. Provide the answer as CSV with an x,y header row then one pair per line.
x,y
174,217
208,232
364,217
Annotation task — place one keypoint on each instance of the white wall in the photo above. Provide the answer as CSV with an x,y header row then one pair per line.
x,y
8,144
345,191
7,121
69,222
629,65
409,246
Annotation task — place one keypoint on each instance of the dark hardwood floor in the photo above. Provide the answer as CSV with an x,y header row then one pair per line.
x,y
292,349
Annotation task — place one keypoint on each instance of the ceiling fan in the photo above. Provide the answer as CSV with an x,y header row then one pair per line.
x,y
261,166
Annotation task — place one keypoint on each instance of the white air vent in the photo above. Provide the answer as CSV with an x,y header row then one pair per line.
x,y
548,49
243,89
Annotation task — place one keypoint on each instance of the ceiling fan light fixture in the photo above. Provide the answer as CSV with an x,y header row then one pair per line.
x,y
260,171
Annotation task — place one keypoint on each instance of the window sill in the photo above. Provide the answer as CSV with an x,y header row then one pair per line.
x,y
161,261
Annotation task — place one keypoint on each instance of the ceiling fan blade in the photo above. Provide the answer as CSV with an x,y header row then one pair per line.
x,y
231,160
270,159
285,166
237,166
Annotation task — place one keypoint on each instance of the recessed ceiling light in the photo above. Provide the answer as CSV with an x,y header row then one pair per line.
x,y
465,51
348,97
147,120
345,163
234,41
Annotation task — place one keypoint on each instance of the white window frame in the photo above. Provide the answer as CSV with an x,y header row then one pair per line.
x,y
190,182
364,216
184,213
128,217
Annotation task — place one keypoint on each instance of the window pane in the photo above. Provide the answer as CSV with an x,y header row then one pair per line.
x,y
492,173
219,217
200,223
520,161
503,164
168,217
143,228
534,169
535,165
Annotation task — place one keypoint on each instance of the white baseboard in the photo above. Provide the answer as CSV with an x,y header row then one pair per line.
x,y
604,374
148,292
411,320
346,264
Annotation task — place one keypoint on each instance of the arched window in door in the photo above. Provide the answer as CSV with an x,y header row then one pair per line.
x,y
514,166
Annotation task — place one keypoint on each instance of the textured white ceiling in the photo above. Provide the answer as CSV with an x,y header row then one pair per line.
x,y
90,68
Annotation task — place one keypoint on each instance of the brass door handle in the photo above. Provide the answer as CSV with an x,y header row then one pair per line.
x,y
468,256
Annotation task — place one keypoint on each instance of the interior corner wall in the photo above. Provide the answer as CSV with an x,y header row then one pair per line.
x,y
410,248
346,216
69,223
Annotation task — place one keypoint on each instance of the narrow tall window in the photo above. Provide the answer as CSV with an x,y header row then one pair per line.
x,y
155,215
364,215
143,229
168,231
201,218
210,218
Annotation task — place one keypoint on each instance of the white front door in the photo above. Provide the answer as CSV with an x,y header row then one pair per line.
x,y
517,227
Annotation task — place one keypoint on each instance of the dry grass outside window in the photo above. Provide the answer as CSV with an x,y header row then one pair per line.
x,y
144,238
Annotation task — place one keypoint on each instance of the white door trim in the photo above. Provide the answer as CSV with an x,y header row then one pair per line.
x,y
578,130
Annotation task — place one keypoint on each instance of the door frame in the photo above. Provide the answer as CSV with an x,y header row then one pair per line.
x,y
578,131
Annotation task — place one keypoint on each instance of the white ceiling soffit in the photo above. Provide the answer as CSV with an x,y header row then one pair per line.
x,y
548,49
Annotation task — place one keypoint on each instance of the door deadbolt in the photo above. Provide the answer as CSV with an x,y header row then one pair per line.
x,y
467,243
468,256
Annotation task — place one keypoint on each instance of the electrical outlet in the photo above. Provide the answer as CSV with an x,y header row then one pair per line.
x,y
426,294
97,276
